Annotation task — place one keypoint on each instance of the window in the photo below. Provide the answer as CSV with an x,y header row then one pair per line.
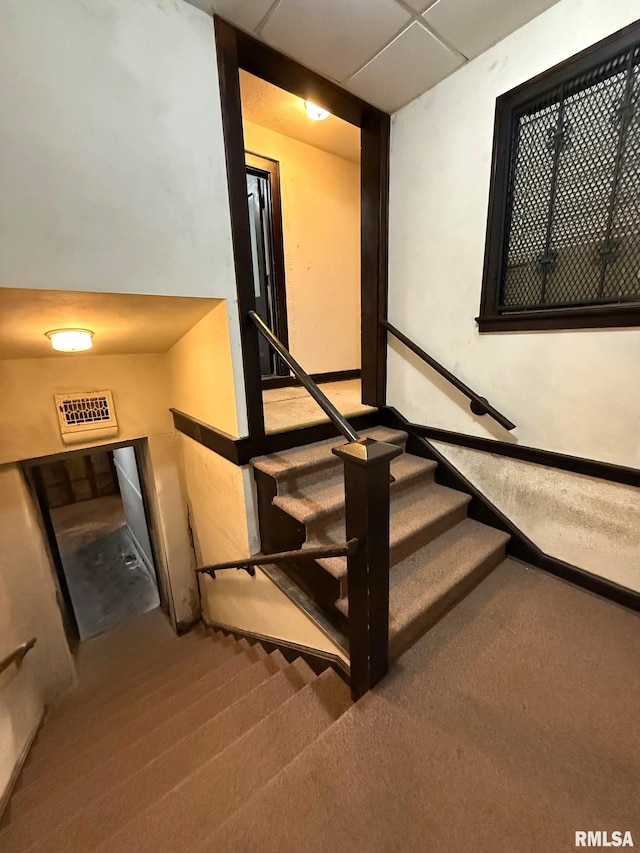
x,y
563,238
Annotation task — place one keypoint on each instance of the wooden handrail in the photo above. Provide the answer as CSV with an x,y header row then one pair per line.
x,y
17,654
321,399
344,549
479,405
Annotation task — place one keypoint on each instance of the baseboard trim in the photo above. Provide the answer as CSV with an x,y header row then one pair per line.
x,y
291,381
520,547
317,659
537,456
5,799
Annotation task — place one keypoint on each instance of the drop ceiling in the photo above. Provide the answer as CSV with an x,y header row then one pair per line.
x,y
280,111
122,323
385,51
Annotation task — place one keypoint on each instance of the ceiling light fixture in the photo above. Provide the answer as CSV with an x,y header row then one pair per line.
x,y
315,112
70,340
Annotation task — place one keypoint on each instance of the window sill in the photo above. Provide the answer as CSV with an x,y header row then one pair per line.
x,y
602,316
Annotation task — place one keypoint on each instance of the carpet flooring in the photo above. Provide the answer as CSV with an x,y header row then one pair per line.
x,y
507,728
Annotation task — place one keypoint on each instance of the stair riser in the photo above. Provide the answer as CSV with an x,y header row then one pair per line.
x,y
98,723
322,473
332,522
430,617
405,547
95,782
62,773
77,707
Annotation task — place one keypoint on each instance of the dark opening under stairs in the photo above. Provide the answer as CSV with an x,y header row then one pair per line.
x,y
158,758
437,553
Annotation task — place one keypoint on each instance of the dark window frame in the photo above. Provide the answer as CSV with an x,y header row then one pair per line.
x,y
507,107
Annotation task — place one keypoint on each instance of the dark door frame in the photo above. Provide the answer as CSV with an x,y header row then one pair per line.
x,y
32,474
260,165
238,50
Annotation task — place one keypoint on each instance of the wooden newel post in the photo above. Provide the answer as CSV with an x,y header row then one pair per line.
x,y
366,479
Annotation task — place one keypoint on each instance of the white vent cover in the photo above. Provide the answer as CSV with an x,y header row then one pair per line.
x,y
86,416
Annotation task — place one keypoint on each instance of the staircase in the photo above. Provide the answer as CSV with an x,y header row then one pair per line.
x,y
437,553
157,756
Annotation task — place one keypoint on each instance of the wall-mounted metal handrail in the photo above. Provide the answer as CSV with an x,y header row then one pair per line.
x,y
17,654
343,549
479,405
321,399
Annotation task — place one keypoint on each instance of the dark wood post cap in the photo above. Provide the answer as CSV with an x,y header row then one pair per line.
x,y
367,452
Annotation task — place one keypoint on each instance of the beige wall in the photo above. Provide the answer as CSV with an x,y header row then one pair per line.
x,y
28,419
140,385
201,372
28,608
321,224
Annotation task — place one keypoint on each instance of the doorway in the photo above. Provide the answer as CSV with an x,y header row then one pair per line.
x,y
267,255
94,511
237,53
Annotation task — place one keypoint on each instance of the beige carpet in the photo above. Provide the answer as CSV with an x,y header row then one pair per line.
x,y
289,408
508,727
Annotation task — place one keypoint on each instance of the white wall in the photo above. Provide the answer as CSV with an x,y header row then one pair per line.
x,y
111,153
321,234
568,391
124,459
28,608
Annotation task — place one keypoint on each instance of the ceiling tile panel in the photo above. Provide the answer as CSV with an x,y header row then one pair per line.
x,y
412,63
472,26
334,37
245,14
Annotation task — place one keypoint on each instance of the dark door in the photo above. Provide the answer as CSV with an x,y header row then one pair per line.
x,y
267,257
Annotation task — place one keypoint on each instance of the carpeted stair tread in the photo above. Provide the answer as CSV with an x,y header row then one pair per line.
x,y
289,463
424,514
192,810
63,772
86,828
321,500
137,700
426,583
52,808
124,710
99,695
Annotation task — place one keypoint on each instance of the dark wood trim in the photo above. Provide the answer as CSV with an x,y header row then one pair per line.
x,y
374,250
520,546
599,317
317,659
291,381
548,458
33,476
517,100
214,439
240,451
266,165
229,81
236,50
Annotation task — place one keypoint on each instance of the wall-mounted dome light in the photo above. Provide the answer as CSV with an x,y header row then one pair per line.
x,y
315,112
70,340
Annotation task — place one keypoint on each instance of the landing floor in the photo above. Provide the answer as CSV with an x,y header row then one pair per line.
x,y
506,729
108,580
290,408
